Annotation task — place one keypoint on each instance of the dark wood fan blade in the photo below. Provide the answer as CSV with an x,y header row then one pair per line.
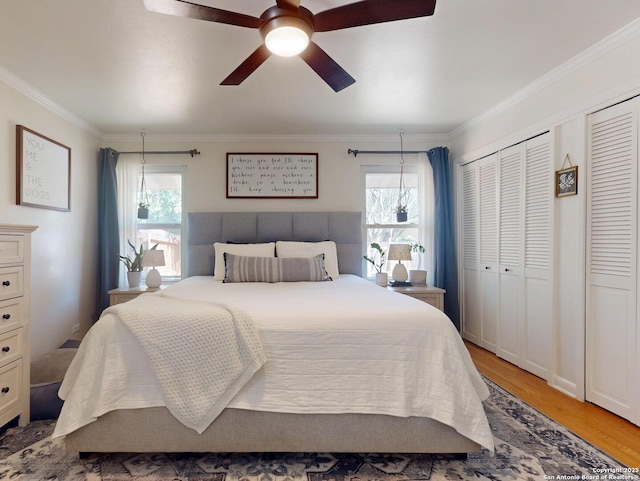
x,y
289,4
326,67
367,12
247,67
181,8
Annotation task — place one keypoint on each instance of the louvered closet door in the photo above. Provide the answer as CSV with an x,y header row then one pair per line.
x,y
510,253
471,288
538,261
487,174
612,260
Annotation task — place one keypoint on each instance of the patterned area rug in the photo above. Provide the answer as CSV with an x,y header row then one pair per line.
x,y
529,446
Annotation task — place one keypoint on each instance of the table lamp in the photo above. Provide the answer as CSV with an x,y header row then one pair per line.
x,y
153,258
399,252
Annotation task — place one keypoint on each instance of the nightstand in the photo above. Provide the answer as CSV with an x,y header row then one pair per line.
x,y
124,294
428,294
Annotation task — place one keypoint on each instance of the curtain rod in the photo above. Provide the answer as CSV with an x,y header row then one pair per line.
x,y
191,152
355,152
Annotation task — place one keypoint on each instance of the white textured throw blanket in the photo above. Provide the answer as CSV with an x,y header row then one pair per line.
x,y
202,353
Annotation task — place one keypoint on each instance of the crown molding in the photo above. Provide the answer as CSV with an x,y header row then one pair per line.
x,y
28,91
613,41
603,100
281,138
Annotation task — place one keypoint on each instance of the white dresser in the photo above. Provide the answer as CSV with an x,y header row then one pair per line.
x,y
15,311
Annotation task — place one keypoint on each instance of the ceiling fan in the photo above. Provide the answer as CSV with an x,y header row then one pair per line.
x,y
287,29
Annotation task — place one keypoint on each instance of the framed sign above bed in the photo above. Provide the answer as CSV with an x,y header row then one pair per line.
x,y
272,175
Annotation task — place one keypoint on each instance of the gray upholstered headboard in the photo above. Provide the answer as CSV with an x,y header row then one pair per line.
x,y
205,228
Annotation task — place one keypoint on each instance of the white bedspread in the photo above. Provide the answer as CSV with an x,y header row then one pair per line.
x,y
199,369
346,346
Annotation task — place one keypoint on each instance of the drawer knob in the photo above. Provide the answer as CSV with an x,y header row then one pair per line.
x,y
6,283
6,349
6,316
5,390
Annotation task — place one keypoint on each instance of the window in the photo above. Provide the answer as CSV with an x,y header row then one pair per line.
x,y
166,224
166,217
381,185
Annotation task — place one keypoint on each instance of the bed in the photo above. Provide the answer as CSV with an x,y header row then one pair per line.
x,y
350,366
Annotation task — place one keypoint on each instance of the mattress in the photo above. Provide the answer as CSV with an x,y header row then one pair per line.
x,y
344,346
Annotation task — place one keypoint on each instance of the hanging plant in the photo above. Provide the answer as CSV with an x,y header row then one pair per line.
x,y
143,202
143,211
401,207
401,213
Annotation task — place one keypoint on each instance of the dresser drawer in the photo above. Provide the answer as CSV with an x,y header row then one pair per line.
x,y
11,249
10,314
10,346
11,282
10,385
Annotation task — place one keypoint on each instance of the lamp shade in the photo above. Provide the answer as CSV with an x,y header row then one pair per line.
x,y
153,258
399,252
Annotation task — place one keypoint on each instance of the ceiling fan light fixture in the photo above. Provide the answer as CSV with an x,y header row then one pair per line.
x,y
286,35
286,41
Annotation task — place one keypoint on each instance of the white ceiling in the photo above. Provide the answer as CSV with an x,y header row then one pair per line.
x,y
121,68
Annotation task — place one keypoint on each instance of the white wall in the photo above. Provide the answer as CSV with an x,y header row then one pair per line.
x,y
607,72
569,270
63,246
560,103
339,180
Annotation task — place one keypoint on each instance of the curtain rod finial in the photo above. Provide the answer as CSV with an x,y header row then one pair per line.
x,y
354,152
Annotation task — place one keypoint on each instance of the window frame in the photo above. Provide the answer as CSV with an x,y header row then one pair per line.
x,y
422,221
182,226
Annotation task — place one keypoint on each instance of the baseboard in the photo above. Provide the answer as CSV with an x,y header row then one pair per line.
x,y
564,386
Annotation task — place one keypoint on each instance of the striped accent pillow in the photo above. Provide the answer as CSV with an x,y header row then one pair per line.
x,y
274,269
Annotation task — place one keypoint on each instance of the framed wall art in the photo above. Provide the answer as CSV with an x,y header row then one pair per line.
x,y
272,175
567,179
43,171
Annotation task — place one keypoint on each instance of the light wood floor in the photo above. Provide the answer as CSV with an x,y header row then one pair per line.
x,y
610,433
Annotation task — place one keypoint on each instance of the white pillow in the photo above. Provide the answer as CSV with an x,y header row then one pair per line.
x,y
268,249
311,249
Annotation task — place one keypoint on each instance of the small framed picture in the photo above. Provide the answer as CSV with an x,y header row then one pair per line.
x,y
567,181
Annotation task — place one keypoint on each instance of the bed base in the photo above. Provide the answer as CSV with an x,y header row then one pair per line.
x,y
236,430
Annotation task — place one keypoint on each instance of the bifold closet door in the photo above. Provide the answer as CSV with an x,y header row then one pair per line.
x,y
525,253
488,209
509,346
612,247
538,256
480,252
471,292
